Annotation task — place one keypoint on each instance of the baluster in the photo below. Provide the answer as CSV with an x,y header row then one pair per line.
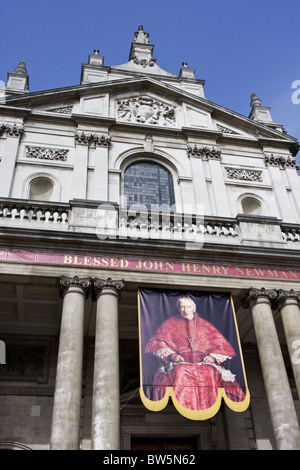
x,y
51,215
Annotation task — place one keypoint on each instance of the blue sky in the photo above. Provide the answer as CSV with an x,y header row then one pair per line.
x,y
237,47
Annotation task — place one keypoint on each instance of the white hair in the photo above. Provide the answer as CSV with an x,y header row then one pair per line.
x,y
186,299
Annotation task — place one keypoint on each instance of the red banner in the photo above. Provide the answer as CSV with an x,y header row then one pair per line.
x,y
190,351
148,265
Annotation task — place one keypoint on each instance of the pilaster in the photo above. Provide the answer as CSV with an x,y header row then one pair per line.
x,y
213,156
83,142
293,176
101,168
13,134
276,165
79,186
199,181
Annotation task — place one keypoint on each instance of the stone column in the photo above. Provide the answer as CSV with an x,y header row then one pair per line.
x,y
289,306
282,410
106,389
65,430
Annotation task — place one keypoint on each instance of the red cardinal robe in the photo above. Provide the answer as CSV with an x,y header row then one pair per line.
x,y
195,384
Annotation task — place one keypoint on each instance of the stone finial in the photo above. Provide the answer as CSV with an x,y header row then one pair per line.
x,y
21,68
18,81
260,113
96,58
140,36
141,51
186,72
255,101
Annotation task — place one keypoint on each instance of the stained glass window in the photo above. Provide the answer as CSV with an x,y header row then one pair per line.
x,y
148,184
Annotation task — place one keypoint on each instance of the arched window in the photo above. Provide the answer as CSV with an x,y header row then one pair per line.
x,y
147,183
41,189
251,206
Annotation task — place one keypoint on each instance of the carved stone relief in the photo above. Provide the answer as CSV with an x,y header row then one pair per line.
x,y
144,62
62,110
146,110
43,153
225,130
243,174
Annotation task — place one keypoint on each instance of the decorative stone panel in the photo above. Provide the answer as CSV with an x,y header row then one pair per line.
x,y
244,174
44,153
62,110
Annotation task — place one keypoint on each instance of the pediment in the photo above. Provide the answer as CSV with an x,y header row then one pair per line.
x,y
146,101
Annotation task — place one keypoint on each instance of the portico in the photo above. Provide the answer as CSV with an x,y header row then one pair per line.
x,y
105,433
259,315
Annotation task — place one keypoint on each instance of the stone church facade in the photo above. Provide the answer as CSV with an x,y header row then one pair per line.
x,y
133,179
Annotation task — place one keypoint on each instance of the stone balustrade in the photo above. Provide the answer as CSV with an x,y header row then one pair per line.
x,y
109,221
33,214
291,233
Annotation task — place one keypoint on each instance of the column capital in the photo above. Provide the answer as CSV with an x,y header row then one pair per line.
x,y
100,284
203,152
82,282
91,139
254,294
291,294
12,130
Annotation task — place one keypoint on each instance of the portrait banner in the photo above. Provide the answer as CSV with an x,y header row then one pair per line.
x,y
190,351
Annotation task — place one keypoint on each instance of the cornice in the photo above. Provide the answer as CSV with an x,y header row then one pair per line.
x,y
143,82
7,110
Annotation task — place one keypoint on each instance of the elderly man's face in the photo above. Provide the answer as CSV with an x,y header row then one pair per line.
x,y
187,309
